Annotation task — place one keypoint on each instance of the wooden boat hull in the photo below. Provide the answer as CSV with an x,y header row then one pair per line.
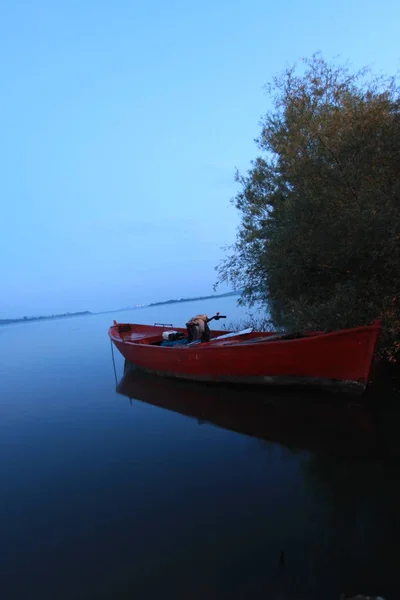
x,y
341,359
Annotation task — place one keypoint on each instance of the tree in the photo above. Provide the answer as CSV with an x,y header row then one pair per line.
x,y
319,240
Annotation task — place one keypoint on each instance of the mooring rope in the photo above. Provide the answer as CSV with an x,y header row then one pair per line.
x,y
113,360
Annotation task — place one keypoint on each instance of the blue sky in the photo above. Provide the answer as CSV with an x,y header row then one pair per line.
x,y
121,127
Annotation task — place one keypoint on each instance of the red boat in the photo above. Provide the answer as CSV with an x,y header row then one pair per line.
x,y
335,359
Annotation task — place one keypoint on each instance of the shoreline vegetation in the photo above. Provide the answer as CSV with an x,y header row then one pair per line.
x,y
318,244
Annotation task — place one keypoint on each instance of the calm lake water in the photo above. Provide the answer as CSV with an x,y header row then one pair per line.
x,y
117,495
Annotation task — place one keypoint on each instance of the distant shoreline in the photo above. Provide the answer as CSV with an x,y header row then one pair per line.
x,y
87,312
46,318
177,301
166,302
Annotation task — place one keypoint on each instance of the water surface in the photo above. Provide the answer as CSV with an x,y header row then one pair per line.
x,y
174,490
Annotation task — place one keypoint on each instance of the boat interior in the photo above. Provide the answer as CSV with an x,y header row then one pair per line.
x,y
177,337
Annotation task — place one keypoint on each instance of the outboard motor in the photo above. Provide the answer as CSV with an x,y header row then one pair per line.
x,y
198,329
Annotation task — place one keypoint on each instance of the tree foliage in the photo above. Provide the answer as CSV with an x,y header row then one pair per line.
x,y
319,240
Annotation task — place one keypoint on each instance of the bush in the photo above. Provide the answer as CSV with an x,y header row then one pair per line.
x,y
319,240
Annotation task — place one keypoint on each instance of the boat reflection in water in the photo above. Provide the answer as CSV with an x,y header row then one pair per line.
x,y
311,421
339,522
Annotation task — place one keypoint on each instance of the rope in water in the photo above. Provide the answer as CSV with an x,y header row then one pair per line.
x,y
113,360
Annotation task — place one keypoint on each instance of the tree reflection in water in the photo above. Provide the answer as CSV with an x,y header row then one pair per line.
x,y
358,504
